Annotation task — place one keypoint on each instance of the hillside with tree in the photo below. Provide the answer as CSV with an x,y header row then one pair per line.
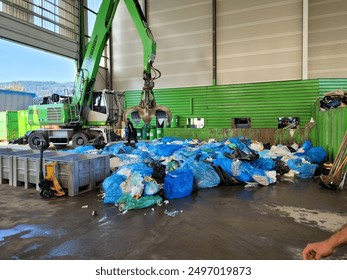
x,y
39,88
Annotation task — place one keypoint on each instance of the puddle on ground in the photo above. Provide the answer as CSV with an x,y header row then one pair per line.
x,y
30,231
327,221
68,248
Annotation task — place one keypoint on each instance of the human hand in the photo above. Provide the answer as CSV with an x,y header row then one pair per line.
x,y
317,250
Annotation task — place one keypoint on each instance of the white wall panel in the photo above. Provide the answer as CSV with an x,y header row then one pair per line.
x,y
258,40
183,33
327,55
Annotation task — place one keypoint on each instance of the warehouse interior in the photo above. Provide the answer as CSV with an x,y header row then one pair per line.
x,y
217,90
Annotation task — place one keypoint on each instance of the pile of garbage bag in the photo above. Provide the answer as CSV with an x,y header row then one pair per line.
x,y
172,168
334,99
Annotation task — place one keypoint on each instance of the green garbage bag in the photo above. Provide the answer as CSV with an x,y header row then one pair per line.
x,y
127,202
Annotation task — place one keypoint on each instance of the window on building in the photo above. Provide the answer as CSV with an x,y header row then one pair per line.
x,y
241,123
195,122
287,122
58,16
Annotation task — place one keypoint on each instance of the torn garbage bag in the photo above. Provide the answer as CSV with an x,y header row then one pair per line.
x,y
234,168
178,183
127,202
244,172
204,174
306,170
151,186
112,187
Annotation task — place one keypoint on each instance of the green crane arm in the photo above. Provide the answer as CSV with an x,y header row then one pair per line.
x,y
149,45
86,76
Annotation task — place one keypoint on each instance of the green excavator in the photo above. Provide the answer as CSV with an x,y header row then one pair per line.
x,y
89,116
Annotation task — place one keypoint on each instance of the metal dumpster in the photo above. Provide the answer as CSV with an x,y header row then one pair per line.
x,y
6,163
26,168
81,172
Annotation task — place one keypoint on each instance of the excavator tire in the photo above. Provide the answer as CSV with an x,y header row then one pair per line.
x,y
35,137
80,139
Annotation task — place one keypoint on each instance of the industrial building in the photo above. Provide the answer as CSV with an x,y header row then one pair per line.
x,y
206,79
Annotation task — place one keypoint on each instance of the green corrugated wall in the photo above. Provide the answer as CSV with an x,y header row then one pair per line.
x,y
262,102
331,125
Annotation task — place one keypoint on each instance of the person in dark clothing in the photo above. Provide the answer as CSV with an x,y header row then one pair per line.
x,y
131,132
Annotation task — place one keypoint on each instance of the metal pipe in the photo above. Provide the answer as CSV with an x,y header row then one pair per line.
x,y
214,42
145,9
110,60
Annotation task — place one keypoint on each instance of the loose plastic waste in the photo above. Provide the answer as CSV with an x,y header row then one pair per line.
x,y
171,168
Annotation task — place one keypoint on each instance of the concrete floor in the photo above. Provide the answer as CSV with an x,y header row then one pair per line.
x,y
226,222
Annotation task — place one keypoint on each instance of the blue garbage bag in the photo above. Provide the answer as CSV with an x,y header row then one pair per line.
x,y
306,170
169,139
164,150
127,159
117,148
224,163
260,175
241,171
178,183
316,155
151,188
204,174
139,167
264,163
306,146
82,149
112,187
240,144
235,168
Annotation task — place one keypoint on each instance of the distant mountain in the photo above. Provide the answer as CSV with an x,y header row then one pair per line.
x,y
38,87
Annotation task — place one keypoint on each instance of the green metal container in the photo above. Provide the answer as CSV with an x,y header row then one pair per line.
x,y
152,133
145,133
22,122
174,121
139,133
160,132
8,125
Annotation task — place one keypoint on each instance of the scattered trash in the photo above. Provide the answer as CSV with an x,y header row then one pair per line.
x,y
151,173
334,99
127,202
172,213
251,185
85,206
94,213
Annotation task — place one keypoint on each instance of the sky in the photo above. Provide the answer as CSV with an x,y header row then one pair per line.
x,y
22,63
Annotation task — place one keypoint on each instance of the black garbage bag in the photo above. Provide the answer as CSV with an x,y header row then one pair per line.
x,y
158,171
241,155
281,167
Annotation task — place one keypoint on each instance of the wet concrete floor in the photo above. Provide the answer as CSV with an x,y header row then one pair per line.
x,y
226,222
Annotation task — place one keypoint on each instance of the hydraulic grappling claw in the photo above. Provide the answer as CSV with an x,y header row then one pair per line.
x,y
148,108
